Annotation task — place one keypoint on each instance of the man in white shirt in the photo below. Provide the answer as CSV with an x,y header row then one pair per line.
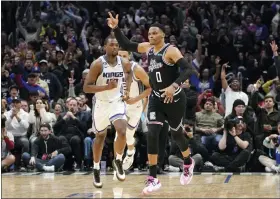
x,y
232,92
17,124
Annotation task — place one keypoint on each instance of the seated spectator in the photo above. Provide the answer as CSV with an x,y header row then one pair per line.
x,y
272,163
58,109
49,151
268,117
17,125
24,106
209,124
235,147
73,128
14,94
239,109
7,138
38,116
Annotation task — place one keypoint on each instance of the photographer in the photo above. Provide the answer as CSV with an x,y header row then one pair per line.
x,y
235,147
48,151
272,163
7,138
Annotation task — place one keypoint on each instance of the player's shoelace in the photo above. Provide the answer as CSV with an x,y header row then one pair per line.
x,y
186,171
149,181
119,166
96,174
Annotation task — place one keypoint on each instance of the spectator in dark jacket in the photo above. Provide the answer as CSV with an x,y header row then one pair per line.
x,y
48,153
52,81
72,127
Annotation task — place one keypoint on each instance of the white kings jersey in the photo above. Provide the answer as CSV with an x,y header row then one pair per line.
x,y
111,73
136,86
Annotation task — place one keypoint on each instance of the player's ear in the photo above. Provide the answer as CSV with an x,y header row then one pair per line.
x,y
163,35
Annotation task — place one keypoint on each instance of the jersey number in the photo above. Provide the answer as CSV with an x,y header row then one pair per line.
x,y
158,76
108,80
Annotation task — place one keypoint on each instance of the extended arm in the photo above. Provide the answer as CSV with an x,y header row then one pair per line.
x,y
127,45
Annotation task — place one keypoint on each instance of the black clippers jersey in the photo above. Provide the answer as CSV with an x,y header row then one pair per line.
x,y
161,73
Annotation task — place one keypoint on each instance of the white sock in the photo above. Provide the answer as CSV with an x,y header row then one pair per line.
x,y
96,165
130,152
119,157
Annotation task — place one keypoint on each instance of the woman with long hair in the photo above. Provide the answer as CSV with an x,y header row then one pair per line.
x,y
38,115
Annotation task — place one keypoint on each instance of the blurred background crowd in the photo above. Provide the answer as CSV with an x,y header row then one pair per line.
x,y
47,48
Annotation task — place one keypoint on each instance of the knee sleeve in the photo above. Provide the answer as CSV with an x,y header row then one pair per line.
x,y
153,138
180,139
130,136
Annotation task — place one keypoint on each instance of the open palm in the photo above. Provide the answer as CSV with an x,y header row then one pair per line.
x,y
112,22
274,46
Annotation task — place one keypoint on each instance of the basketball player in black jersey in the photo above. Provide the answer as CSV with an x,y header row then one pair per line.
x,y
167,100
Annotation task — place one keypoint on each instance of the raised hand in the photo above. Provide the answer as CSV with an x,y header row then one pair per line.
x,y
113,22
274,46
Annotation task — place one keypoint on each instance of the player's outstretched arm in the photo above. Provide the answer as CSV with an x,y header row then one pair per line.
x,y
141,74
90,81
123,40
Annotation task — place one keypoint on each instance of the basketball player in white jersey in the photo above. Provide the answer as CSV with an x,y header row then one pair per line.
x,y
136,104
106,79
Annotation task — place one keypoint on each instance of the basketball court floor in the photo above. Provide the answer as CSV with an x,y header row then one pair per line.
x,y
79,185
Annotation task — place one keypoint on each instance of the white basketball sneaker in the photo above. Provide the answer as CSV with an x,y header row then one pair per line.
x,y
187,174
152,184
128,161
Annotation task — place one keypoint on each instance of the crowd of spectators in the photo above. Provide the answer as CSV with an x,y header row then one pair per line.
x,y
233,97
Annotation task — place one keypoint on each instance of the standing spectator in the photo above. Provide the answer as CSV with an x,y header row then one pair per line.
x,y
232,92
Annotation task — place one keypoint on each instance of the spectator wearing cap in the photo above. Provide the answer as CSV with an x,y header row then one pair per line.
x,y
51,79
49,151
232,92
17,124
30,86
209,124
247,113
235,147
39,81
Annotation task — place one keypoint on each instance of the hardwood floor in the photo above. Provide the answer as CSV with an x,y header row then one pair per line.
x,y
79,185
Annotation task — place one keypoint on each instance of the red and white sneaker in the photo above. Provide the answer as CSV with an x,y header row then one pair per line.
x,y
152,184
187,174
